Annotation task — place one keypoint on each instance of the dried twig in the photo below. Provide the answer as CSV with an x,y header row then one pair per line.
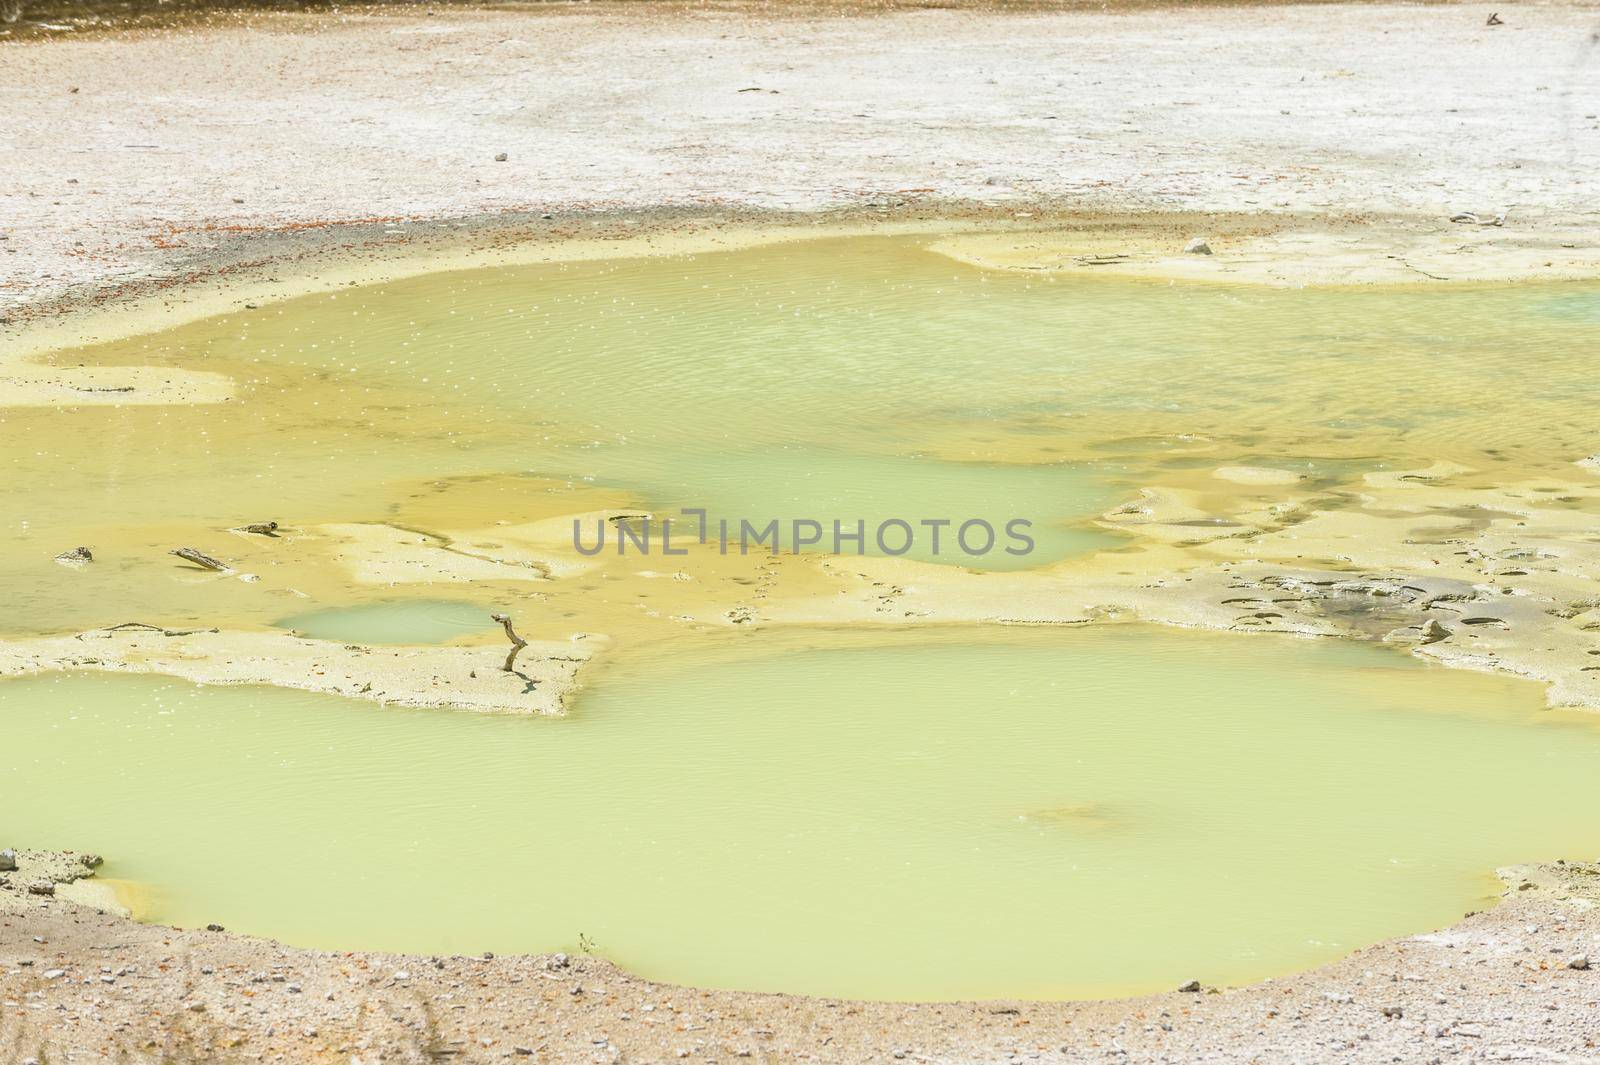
x,y
152,628
517,642
204,561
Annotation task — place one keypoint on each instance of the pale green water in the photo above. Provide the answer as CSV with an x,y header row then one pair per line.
x,y
1043,814
408,621
1035,813
835,379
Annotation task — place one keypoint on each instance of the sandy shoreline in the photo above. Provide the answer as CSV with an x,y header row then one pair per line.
x,y
310,153
1499,985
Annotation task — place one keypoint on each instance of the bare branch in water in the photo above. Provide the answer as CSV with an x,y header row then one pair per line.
x,y
517,642
145,625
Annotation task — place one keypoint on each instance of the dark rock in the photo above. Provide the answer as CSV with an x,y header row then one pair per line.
x,y
1191,986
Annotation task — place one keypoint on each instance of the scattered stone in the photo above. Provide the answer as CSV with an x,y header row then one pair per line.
x,y
1472,218
1197,246
8,860
1580,962
214,928
500,157
42,887
260,528
1191,986
78,556
1394,1013
54,974
199,558
91,861
1433,632
195,1007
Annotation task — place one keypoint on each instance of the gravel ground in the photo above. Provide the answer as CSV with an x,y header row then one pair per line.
x,y
1508,984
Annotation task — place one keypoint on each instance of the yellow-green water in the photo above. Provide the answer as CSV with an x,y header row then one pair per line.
x,y
1036,813
833,379
415,621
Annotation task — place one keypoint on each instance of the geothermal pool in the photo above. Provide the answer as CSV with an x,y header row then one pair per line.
x,y
970,811
852,379
1039,813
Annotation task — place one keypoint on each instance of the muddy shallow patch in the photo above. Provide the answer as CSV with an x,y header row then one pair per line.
x,y
404,621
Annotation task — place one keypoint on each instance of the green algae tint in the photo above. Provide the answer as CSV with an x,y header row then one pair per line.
x,y
834,379
415,621
1038,813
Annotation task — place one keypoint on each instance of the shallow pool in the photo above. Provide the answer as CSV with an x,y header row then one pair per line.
x,y
852,379
404,621
1028,813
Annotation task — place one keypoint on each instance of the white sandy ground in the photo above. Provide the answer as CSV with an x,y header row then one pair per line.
x,y
116,152
1311,144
